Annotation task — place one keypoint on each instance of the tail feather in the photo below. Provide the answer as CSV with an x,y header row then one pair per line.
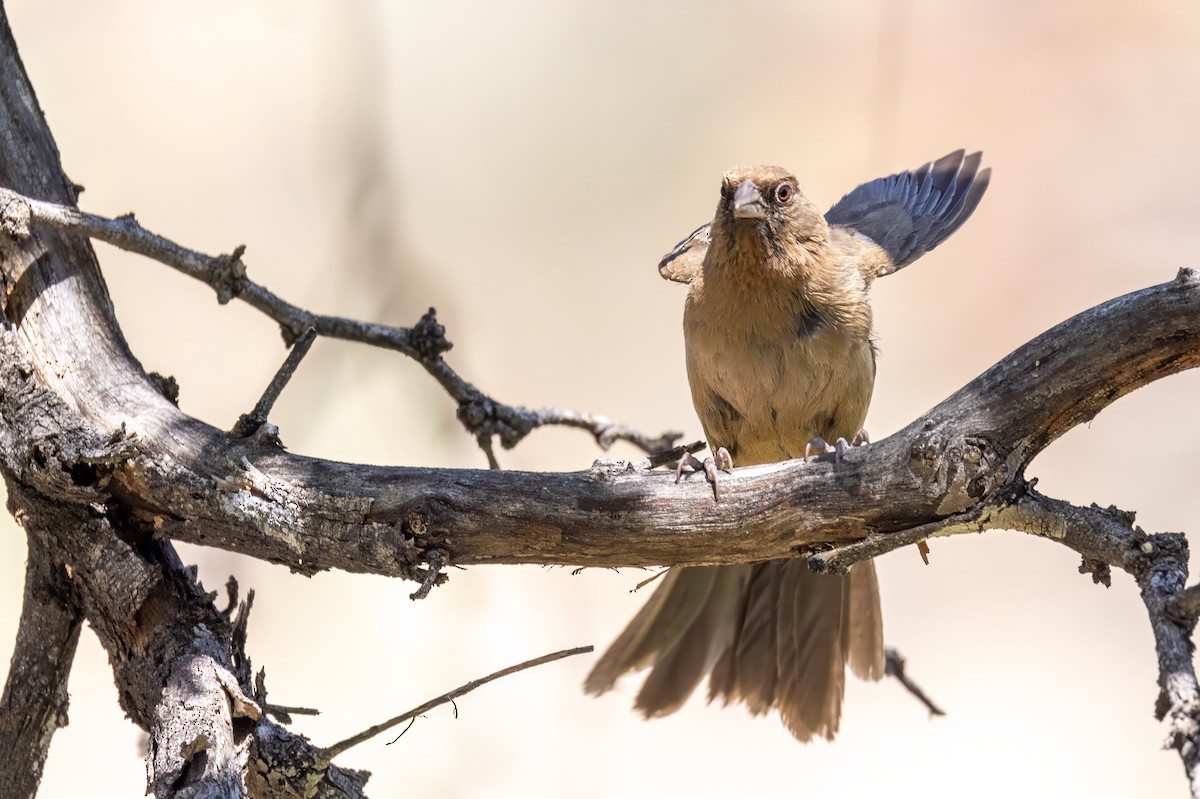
x,y
773,635
679,599
680,668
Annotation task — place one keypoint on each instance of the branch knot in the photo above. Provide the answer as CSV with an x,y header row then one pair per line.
x,y
484,418
962,470
428,337
228,274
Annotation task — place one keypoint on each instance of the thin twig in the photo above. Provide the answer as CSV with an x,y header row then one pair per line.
x,y
894,667
284,712
249,423
839,559
485,444
663,457
407,727
648,580
424,342
354,740
435,561
607,431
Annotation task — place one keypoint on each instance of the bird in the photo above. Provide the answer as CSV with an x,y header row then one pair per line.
x,y
781,358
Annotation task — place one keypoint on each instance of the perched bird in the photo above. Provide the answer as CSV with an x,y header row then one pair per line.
x,y
777,327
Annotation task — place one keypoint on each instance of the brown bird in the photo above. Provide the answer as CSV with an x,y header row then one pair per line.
x,y
777,327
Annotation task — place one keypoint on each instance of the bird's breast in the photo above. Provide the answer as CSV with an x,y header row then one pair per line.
x,y
764,385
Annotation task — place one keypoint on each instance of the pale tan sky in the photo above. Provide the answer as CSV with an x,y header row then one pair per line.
x,y
522,167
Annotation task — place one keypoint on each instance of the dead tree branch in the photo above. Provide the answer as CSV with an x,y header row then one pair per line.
x,y
950,471
35,694
425,342
103,470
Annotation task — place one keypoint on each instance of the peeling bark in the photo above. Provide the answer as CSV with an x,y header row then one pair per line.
x,y
103,471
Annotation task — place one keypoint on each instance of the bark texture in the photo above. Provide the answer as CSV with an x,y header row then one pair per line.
x,y
104,471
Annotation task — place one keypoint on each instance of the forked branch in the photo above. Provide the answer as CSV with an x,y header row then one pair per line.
x,y
104,469
425,342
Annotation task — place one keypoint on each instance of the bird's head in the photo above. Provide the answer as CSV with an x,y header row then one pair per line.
x,y
764,216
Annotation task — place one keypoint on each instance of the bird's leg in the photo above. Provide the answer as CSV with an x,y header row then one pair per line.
x,y
722,460
839,448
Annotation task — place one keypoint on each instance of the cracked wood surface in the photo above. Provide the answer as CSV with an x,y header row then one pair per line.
x,y
103,470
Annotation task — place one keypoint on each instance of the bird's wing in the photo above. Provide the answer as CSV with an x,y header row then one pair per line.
x,y
910,213
686,258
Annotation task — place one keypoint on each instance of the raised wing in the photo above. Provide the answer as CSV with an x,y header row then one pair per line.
x,y
684,261
910,213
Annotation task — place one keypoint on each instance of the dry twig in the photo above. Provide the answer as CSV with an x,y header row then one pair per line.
x,y
425,342
449,696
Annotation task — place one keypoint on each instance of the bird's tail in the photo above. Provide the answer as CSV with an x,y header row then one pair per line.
x,y
773,635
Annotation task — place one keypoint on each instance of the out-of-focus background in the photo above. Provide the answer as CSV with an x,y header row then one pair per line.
x,y
522,166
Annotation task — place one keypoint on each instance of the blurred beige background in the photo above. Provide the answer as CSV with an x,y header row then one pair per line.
x,y
522,166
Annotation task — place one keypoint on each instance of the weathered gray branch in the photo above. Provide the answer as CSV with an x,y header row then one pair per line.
x,y
425,342
177,477
178,671
170,648
104,469
35,695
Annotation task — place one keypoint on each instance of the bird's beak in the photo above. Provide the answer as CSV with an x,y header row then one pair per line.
x,y
748,201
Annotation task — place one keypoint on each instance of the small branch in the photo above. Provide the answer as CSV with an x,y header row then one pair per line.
x,y
1163,581
250,423
894,667
666,456
285,712
839,559
435,561
1103,536
281,712
424,342
371,732
34,704
606,431
485,444
648,580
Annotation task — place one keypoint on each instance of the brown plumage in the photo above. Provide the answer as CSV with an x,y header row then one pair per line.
x,y
777,326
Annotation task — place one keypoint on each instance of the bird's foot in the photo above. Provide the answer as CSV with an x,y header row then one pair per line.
x,y
721,460
839,448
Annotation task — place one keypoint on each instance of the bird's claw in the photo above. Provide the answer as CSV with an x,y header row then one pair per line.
x,y
838,448
722,461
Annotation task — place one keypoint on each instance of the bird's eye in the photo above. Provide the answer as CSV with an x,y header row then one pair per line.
x,y
785,193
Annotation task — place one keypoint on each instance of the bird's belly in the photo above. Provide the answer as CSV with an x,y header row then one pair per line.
x,y
765,401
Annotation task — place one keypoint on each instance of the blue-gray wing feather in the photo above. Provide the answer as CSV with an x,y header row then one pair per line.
x,y
907,214
910,213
